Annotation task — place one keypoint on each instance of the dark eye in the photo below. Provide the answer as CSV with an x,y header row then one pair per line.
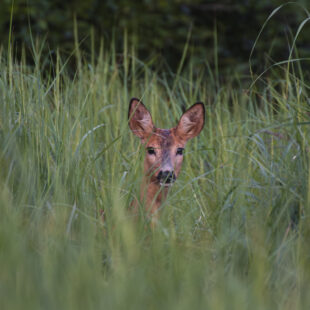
x,y
180,151
151,151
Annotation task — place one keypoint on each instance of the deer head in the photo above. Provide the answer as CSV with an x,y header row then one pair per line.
x,y
164,147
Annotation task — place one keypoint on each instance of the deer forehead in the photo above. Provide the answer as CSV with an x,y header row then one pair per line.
x,y
164,139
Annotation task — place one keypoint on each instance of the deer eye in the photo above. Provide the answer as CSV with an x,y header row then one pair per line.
x,y
151,151
180,151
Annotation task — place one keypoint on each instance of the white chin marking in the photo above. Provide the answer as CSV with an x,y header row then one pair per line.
x,y
166,184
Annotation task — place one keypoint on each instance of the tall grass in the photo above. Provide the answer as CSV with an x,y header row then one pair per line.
x,y
234,231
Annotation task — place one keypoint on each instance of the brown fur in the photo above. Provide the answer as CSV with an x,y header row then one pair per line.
x,y
165,143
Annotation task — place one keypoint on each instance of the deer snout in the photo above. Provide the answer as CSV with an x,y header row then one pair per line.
x,y
166,177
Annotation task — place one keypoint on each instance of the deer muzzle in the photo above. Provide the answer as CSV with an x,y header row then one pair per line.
x,y
166,178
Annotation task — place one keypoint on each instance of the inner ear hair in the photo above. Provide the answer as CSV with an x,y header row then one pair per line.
x,y
140,120
134,105
196,111
192,121
188,125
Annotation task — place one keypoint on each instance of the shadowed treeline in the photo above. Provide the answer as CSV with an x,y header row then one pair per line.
x,y
227,29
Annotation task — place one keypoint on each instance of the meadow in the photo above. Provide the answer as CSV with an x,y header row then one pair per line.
x,y
234,231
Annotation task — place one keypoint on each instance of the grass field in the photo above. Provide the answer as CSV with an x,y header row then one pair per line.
x,y
234,231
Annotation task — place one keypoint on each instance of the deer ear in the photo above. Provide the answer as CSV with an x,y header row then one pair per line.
x,y
140,120
191,122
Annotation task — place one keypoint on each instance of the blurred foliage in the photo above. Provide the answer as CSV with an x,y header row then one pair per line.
x,y
227,29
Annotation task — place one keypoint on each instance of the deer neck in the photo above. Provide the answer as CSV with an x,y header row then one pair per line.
x,y
153,195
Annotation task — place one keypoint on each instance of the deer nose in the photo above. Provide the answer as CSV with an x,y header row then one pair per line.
x,y
166,177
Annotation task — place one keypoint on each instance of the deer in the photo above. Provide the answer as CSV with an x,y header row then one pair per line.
x,y
164,151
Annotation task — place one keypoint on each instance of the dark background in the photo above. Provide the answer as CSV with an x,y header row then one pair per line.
x,y
159,29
